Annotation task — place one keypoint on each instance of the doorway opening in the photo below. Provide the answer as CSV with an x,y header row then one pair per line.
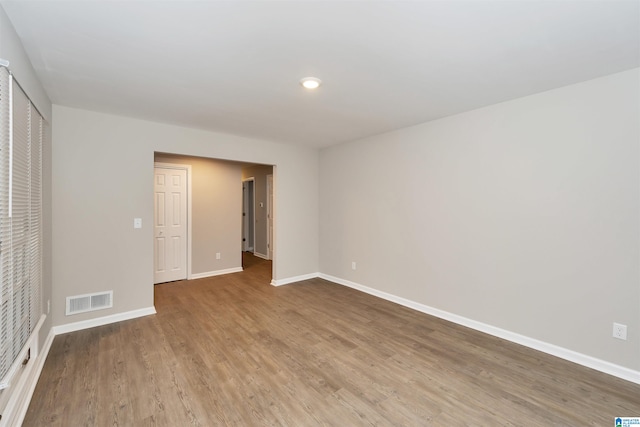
x,y
258,210
229,215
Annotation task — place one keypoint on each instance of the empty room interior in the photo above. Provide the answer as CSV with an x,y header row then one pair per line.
x,y
319,213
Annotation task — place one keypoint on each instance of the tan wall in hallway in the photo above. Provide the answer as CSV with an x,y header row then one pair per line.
x,y
216,212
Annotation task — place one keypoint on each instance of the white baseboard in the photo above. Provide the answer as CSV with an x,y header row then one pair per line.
x,y
259,255
215,273
100,321
24,383
554,350
32,380
288,280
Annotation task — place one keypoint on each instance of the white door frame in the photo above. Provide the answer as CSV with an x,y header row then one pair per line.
x,y
252,217
270,216
189,210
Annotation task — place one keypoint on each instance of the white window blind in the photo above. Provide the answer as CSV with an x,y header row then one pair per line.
x,y
21,134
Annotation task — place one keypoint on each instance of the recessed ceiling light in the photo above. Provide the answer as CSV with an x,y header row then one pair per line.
x,y
310,82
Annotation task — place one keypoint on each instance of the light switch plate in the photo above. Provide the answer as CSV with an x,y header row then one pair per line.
x,y
137,222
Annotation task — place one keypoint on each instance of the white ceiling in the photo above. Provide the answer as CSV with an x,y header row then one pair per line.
x,y
234,66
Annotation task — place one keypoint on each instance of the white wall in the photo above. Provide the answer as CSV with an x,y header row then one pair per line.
x,y
12,50
523,215
97,191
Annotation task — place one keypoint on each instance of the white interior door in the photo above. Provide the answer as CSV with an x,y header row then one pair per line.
x,y
270,216
170,225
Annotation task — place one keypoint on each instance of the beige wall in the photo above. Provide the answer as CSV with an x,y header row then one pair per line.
x,y
260,172
216,212
97,191
523,215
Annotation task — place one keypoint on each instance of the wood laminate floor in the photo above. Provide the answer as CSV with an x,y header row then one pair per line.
x,y
233,350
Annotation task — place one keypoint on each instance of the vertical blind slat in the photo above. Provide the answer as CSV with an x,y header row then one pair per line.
x,y
20,220
5,225
35,213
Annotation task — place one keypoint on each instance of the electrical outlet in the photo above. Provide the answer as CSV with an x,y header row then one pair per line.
x,y
353,265
620,331
217,255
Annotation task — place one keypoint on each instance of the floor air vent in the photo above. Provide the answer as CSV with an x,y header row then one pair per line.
x,y
89,302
